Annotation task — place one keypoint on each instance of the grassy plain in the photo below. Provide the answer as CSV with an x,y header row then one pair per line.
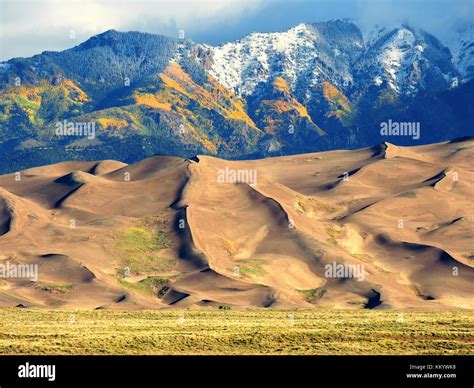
x,y
35,331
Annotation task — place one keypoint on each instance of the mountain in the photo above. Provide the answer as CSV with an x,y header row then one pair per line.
x,y
462,47
320,86
379,227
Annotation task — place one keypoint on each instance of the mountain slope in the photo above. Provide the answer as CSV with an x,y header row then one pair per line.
x,y
314,87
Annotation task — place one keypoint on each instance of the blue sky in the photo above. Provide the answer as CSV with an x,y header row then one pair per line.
x,y
29,27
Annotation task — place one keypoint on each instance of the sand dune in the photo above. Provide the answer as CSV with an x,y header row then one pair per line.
x,y
5,216
173,233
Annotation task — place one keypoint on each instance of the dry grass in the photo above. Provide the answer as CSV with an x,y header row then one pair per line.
x,y
29,331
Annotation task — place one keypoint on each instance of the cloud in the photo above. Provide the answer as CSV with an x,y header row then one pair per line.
x,y
28,27
439,17
31,26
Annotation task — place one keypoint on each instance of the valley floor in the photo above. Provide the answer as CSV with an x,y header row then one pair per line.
x,y
204,332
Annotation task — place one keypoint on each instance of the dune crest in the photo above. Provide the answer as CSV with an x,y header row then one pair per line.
x,y
379,227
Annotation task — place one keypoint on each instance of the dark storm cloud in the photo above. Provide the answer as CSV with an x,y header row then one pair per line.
x,y
32,26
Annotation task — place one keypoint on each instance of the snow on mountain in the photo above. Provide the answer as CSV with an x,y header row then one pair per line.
x,y
309,54
393,57
242,65
373,34
325,81
406,61
461,45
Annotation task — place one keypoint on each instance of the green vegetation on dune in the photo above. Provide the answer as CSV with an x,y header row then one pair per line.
x,y
150,285
54,288
139,246
252,267
236,332
313,294
313,207
333,233
143,239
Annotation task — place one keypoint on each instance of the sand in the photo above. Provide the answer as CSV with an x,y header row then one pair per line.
x,y
245,234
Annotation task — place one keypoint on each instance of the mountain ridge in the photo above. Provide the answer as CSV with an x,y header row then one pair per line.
x,y
149,94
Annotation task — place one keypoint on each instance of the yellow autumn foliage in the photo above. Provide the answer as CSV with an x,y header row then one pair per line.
x,y
333,95
281,85
209,146
219,98
80,95
112,122
152,101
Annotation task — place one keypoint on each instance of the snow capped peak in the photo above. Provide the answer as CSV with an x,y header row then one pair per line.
x,y
406,59
299,28
395,53
374,34
461,46
242,65
308,54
